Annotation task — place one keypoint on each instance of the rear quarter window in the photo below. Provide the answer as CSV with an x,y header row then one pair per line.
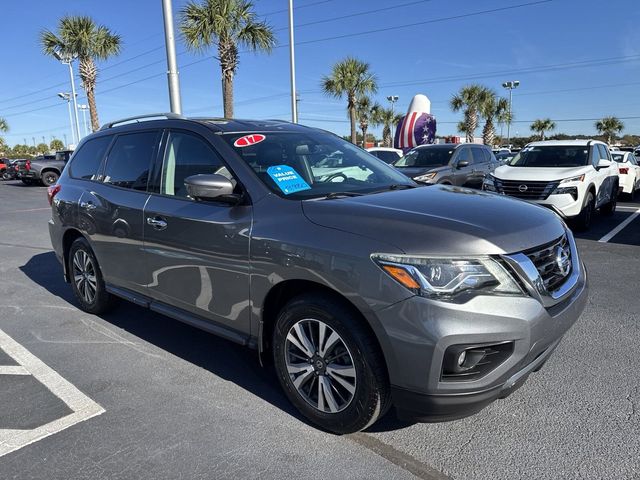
x,y
87,160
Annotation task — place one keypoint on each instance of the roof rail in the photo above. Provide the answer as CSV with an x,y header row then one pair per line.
x,y
137,118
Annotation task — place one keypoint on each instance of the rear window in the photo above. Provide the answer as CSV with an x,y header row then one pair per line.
x,y
86,161
130,159
618,157
386,156
552,156
426,157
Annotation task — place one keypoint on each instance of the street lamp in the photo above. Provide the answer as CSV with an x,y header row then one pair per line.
x,y
67,59
84,109
65,96
510,85
292,67
392,100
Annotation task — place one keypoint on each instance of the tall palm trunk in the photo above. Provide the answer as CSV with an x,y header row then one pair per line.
x,y
488,132
386,136
541,134
88,74
471,123
352,117
228,64
364,126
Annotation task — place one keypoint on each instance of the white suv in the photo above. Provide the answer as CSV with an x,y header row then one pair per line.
x,y
572,177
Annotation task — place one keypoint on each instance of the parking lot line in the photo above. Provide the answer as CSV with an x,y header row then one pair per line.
x,y
619,228
82,406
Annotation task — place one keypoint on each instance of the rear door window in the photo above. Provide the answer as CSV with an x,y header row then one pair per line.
x,y
87,160
479,155
130,159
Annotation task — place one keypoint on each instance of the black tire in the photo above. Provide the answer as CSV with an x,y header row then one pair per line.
x,y
101,301
370,399
610,208
583,221
49,178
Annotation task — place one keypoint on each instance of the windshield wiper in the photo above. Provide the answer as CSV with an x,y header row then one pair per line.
x,y
342,194
397,186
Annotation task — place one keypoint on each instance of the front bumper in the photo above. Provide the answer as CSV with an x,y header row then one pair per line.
x,y
420,330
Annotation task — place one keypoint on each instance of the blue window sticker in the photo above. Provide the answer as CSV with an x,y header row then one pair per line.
x,y
287,179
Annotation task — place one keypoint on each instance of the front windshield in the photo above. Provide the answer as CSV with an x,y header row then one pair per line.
x,y
552,156
426,157
313,164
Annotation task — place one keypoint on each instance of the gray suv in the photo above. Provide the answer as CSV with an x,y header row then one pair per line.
x,y
463,165
367,290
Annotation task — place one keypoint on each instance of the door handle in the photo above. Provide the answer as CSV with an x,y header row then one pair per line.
x,y
157,223
88,205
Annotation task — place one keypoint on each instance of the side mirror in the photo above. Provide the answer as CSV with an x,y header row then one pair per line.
x,y
603,163
462,164
211,187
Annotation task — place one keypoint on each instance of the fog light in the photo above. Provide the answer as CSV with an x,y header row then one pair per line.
x,y
462,358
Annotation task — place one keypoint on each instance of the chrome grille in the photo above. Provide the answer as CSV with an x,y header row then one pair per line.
x,y
553,261
525,189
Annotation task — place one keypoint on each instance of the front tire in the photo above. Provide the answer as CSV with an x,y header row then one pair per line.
x,y
86,279
49,178
610,208
583,221
329,364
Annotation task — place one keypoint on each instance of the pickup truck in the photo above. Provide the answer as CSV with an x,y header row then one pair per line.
x,y
44,169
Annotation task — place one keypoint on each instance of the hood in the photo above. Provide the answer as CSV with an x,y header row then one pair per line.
x,y
440,220
544,174
413,172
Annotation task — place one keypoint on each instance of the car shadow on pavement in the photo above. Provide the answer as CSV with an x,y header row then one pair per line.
x,y
221,357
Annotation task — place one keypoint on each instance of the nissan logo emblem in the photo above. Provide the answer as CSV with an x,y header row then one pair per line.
x,y
523,188
563,261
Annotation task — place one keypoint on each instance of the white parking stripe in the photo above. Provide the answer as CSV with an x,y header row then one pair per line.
x,y
13,370
617,230
82,406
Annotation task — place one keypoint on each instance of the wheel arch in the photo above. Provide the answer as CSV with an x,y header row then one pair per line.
x,y
69,236
286,290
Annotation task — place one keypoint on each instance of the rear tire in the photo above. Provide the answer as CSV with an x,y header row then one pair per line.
x,y
86,279
583,221
339,384
49,178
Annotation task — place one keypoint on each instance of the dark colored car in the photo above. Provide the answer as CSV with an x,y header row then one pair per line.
x,y
368,290
464,165
45,169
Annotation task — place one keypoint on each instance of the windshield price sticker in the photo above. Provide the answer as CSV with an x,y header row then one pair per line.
x,y
249,140
287,179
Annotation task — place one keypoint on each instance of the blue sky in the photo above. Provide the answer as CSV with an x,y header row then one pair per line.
x,y
575,59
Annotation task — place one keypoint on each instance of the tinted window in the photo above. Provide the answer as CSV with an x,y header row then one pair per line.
x,y
618,157
464,154
426,157
129,160
604,152
186,155
479,155
552,156
86,161
386,156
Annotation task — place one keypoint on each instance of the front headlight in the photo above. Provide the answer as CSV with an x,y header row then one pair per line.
x,y
426,177
579,178
488,184
444,278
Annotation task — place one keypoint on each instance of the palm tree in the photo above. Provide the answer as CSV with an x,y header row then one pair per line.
x,y
351,78
385,117
492,108
469,98
366,113
4,126
56,144
226,24
609,127
543,125
82,38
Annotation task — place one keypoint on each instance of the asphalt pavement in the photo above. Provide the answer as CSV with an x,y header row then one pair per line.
x,y
157,399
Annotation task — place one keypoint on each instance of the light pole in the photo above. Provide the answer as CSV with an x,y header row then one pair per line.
x,y
292,67
66,96
510,85
392,100
68,60
172,64
84,109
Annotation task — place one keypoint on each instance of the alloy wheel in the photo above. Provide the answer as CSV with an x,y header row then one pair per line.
x,y
84,276
320,366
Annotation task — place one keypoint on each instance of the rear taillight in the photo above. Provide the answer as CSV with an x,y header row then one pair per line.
x,y
52,191
16,168
27,165
623,170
